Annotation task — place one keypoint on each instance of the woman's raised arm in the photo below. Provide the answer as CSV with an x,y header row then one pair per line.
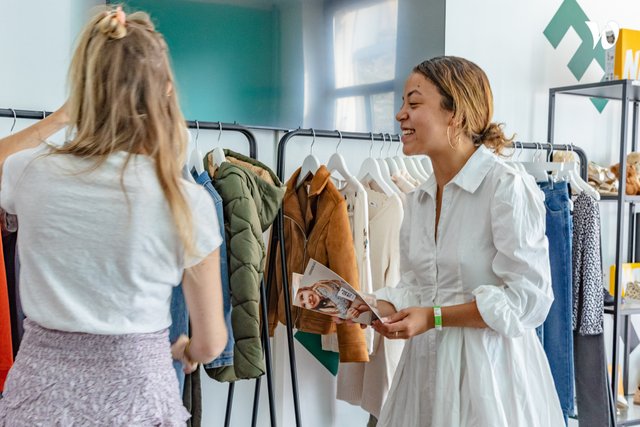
x,y
33,135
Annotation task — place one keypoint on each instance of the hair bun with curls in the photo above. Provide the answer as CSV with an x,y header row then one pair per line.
x,y
113,25
494,137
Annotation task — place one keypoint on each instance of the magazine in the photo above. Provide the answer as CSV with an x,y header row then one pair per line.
x,y
321,290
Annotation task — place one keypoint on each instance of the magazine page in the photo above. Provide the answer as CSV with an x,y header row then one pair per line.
x,y
323,291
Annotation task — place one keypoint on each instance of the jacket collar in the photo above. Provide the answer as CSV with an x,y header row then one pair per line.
x,y
470,176
266,195
292,202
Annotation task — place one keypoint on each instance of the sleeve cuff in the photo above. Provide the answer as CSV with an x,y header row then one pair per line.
x,y
496,312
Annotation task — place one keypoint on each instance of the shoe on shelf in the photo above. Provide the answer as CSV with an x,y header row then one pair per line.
x,y
621,403
602,179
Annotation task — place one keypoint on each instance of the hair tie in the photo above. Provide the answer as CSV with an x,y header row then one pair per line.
x,y
113,24
120,15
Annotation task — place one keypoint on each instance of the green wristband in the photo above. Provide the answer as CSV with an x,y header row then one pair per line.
x,y
437,317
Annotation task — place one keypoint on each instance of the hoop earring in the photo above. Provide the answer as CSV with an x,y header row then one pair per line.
x,y
453,147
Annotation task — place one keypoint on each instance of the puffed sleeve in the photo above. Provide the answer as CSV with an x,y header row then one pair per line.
x,y
405,293
206,230
522,259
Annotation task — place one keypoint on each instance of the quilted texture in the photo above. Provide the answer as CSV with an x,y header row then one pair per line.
x,y
250,206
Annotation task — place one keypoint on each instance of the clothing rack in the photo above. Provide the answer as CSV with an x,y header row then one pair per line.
x,y
278,231
266,344
278,234
253,153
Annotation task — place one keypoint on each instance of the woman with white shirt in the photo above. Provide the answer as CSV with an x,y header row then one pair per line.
x,y
108,227
475,267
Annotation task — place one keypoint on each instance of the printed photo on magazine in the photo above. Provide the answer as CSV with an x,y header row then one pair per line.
x,y
321,290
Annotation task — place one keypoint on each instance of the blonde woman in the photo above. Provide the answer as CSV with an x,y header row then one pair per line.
x,y
107,228
324,296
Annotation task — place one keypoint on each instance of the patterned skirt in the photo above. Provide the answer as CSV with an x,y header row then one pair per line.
x,y
77,379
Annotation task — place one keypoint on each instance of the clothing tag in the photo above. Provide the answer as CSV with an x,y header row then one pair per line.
x,y
346,294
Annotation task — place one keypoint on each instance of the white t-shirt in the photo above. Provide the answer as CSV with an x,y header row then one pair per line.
x,y
92,258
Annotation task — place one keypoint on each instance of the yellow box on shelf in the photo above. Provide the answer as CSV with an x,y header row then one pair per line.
x,y
627,56
627,275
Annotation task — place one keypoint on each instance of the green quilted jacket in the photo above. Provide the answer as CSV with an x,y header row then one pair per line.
x,y
251,195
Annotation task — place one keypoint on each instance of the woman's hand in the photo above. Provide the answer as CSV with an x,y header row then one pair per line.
x,y
179,352
406,323
34,135
353,312
356,310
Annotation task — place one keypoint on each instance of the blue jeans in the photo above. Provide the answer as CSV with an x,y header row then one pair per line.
x,y
226,357
179,313
556,333
179,326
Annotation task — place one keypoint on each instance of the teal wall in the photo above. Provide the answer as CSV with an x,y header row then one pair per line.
x,y
225,58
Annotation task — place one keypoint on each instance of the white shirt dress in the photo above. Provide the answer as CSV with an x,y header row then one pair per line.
x,y
491,248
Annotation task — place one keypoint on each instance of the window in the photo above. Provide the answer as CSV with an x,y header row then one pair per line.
x,y
364,56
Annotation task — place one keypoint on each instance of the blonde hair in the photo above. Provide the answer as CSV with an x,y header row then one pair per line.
x,y
122,98
466,92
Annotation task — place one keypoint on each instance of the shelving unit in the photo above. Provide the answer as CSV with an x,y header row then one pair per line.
x,y
628,92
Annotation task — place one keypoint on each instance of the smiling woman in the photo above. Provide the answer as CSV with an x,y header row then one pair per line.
x,y
474,287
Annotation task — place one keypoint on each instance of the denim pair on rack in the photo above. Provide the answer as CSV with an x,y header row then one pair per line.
x,y
556,332
179,313
226,357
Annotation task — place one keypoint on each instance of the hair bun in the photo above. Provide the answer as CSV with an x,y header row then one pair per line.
x,y
112,26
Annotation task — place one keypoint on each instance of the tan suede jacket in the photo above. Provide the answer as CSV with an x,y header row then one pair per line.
x,y
316,225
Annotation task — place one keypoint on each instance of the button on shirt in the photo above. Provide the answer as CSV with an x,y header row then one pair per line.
x,y
491,248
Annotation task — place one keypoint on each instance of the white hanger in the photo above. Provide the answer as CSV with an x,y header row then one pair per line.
x,y
370,171
414,170
217,153
411,165
408,165
540,170
399,160
420,167
196,159
310,164
394,168
426,165
384,168
576,181
336,162
514,162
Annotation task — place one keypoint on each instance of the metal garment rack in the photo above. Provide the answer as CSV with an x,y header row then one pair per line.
x,y
278,236
266,344
253,153
627,92
278,232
